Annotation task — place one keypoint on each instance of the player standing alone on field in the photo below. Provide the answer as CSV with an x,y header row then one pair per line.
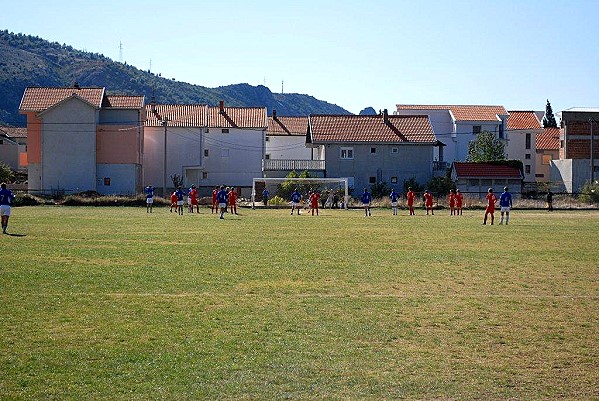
x,y
221,198
451,202
180,199
549,201
459,199
149,190
296,197
265,194
505,203
232,200
366,200
410,198
193,199
314,199
491,199
6,198
428,202
394,196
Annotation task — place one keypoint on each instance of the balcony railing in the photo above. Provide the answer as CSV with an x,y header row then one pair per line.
x,y
440,166
288,165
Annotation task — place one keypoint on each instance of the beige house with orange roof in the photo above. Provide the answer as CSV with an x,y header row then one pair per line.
x,y
13,147
205,145
547,150
522,130
81,139
457,125
372,149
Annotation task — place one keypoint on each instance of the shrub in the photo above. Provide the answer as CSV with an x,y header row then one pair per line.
x,y
6,173
416,187
380,190
590,193
277,201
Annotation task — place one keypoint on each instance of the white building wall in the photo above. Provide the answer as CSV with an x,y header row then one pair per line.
x,y
69,147
288,147
516,150
122,179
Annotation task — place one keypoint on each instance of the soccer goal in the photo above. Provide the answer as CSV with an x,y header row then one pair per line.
x,y
334,192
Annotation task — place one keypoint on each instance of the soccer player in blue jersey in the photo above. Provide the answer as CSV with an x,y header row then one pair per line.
x,y
221,198
366,199
296,197
505,203
6,198
149,190
394,196
180,199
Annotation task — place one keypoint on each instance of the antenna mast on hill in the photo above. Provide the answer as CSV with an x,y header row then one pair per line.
x,y
282,83
120,51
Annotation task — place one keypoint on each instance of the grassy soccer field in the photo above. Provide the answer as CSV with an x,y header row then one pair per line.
x,y
115,303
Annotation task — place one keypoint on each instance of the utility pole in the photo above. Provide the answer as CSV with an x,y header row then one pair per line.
x,y
164,122
592,121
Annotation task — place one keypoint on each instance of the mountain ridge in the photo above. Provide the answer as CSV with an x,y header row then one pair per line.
x,y
27,60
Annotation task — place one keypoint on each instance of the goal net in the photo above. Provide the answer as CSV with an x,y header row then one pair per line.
x,y
334,192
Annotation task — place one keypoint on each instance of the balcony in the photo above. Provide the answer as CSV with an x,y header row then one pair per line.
x,y
289,165
441,166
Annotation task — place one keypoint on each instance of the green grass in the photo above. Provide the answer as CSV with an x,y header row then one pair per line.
x,y
115,303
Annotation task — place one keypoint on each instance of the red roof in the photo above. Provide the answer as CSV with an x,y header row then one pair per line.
x,y
462,112
296,126
548,139
177,115
354,128
39,99
485,170
123,102
13,132
237,117
523,120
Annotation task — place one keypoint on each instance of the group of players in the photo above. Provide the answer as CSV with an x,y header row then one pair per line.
x,y
223,197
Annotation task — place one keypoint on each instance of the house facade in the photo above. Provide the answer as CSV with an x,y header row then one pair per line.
x,y
522,130
81,139
13,147
475,179
578,154
373,149
457,125
547,150
205,145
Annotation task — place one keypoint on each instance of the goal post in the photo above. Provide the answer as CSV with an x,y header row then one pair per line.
x,y
277,187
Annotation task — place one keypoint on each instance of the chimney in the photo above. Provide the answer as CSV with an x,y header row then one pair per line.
x,y
385,115
274,114
221,106
76,85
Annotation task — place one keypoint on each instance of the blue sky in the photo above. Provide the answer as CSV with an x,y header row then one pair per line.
x,y
352,53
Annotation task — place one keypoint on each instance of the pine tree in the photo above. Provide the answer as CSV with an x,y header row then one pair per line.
x,y
549,118
485,148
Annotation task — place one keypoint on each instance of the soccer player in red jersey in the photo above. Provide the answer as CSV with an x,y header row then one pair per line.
x,y
232,200
491,200
459,199
451,202
410,197
173,201
193,199
214,201
314,199
428,202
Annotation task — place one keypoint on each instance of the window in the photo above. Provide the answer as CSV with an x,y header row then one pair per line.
x,y
267,139
372,150
561,144
267,157
501,131
527,169
476,129
346,153
527,156
207,130
204,175
225,130
394,150
372,180
441,153
540,175
528,139
205,152
224,153
393,180
107,181
547,159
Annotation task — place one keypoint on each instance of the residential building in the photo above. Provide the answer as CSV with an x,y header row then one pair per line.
x,y
547,150
373,149
81,139
475,179
522,130
205,145
286,148
457,125
13,147
577,164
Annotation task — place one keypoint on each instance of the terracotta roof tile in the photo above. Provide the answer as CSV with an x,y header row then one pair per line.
x,y
462,112
287,126
548,139
485,170
178,115
38,99
237,117
13,132
123,102
523,120
354,128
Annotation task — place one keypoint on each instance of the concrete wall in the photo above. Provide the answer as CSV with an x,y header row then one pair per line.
x,y
571,174
9,153
118,179
407,162
69,147
288,147
477,188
